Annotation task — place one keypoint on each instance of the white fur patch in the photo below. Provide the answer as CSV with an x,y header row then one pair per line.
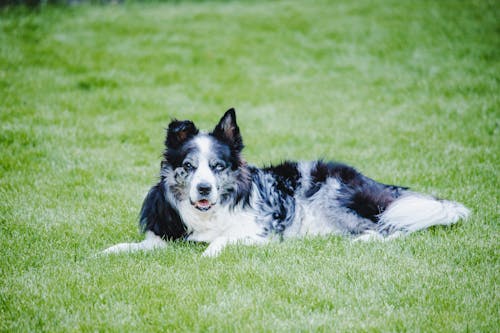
x,y
221,226
216,247
151,242
204,144
310,219
203,173
414,212
314,221
372,235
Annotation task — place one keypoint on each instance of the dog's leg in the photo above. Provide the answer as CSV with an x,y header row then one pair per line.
x,y
218,244
151,242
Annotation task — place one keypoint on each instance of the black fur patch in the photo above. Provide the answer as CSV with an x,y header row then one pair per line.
x,y
322,171
287,176
176,147
368,199
158,216
363,195
175,156
228,131
179,132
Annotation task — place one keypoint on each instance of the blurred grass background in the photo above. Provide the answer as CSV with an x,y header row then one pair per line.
x,y
407,91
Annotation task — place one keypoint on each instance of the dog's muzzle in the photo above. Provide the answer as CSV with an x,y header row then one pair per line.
x,y
204,195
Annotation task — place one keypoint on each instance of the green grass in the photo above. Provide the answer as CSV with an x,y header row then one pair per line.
x,y
407,91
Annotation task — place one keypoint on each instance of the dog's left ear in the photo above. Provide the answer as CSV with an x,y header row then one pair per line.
x,y
228,131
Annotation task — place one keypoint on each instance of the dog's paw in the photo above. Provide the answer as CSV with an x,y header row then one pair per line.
x,y
215,247
371,235
122,247
151,242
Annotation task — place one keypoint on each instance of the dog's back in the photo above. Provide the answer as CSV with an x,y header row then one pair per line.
x,y
311,198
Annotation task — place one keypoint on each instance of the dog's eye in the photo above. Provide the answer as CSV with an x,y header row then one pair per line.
x,y
188,166
219,166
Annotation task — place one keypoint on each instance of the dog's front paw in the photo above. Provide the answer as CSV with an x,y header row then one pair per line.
x,y
122,247
215,247
151,242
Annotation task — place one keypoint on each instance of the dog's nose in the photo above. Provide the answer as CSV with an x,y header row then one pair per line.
x,y
204,188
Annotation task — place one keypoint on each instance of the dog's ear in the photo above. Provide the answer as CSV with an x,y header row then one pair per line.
x,y
228,131
178,132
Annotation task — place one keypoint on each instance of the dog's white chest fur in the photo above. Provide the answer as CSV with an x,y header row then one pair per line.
x,y
221,226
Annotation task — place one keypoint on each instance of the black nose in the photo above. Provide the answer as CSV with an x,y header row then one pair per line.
x,y
204,188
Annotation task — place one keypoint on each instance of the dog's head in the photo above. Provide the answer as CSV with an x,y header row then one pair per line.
x,y
204,168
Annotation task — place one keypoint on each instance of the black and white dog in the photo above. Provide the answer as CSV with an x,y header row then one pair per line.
x,y
208,193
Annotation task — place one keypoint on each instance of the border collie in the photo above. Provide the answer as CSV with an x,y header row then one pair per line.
x,y
208,193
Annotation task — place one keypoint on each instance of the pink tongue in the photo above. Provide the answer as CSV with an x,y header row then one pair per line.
x,y
203,203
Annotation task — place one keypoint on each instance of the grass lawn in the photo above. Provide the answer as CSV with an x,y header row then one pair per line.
x,y
407,91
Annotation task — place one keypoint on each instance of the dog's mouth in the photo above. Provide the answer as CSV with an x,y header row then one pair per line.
x,y
203,205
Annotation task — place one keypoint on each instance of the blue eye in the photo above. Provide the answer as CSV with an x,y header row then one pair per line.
x,y
219,166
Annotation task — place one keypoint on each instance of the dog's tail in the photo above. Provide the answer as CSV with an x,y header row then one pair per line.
x,y
412,211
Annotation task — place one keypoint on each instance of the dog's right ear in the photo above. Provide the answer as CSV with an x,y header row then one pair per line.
x,y
179,132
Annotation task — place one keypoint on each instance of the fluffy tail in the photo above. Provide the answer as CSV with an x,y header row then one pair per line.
x,y
412,212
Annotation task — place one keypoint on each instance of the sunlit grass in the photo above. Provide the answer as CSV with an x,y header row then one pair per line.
x,y
405,91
